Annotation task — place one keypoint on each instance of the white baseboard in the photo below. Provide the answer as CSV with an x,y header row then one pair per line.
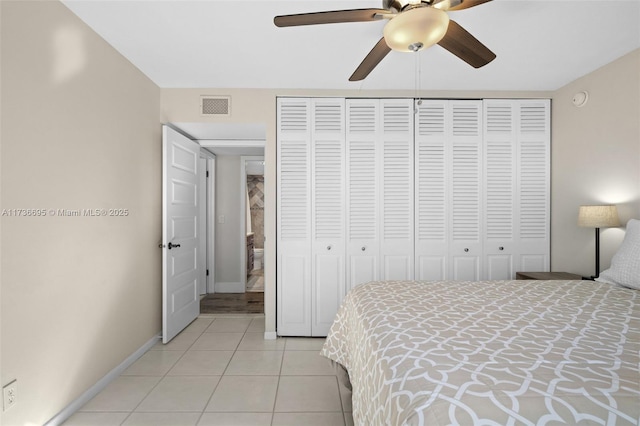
x,y
70,409
270,335
233,287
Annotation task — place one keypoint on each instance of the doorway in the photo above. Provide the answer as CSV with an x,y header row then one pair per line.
x,y
230,143
240,237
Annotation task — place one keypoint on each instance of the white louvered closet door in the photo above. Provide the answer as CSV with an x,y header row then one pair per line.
x,y
328,211
533,183
517,136
500,207
294,217
432,197
465,183
397,189
363,233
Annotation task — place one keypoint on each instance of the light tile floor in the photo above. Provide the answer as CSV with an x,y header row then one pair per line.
x,y
220,371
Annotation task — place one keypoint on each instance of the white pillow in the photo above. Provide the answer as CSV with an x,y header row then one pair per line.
x,y
625,264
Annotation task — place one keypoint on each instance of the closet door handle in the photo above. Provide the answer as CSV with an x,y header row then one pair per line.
x,y
466,250
501,248
363,248
329,247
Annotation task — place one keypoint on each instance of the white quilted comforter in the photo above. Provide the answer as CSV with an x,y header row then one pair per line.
x,y
491,353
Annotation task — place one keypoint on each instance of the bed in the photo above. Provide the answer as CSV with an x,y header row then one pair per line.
x,y
492,352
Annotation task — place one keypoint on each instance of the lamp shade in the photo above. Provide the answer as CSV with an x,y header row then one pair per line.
x,y
416,29
598,216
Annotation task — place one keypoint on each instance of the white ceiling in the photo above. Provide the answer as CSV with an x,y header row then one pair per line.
x,y
227,138
540,45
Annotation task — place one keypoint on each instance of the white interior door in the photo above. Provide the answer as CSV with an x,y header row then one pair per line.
x,y
180,238
202,226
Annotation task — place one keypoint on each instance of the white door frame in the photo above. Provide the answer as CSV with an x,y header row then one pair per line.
x,y
243,223
202,225
210,201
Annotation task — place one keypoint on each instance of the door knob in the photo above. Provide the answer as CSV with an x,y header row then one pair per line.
x,y
500,248
328,247
364,248
466,250
171,245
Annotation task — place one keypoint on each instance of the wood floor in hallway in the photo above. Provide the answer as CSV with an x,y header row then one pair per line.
x,y
233,303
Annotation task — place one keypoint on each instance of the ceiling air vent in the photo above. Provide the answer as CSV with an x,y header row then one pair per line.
x,y
215,105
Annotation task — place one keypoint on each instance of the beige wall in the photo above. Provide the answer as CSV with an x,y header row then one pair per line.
x,y
80,129
596,160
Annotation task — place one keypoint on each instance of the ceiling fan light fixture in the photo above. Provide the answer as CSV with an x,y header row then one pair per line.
x,y
421,25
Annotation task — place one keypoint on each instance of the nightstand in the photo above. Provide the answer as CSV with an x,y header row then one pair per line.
x,y
547,276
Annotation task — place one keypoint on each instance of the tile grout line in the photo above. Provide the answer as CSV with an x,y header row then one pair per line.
x,y
162,377
275,399
204,409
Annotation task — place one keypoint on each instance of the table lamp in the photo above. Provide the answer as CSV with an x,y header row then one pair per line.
x,y
598,217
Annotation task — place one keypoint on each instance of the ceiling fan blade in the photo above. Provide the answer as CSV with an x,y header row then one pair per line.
x,y
466,4
377,54
458,41
330,17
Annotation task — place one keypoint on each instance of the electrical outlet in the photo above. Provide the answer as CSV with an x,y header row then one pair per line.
x,y
10,395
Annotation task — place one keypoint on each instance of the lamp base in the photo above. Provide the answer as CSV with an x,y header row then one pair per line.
x,y
597,254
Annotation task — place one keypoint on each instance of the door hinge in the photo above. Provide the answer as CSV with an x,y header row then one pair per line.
x,y
207,173
207,272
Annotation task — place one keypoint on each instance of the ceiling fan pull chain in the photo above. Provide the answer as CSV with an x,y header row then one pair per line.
x,y
415,82
418,78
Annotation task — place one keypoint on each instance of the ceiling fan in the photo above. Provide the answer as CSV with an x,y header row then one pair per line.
x,y
413,25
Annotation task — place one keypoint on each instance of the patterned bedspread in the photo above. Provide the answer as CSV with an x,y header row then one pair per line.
x,y
491,353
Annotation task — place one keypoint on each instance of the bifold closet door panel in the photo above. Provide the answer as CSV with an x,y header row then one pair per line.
x,y
449,174
500,207
465,190
396,194
431,194
533,180
328,211
294,266
517,140
362,184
